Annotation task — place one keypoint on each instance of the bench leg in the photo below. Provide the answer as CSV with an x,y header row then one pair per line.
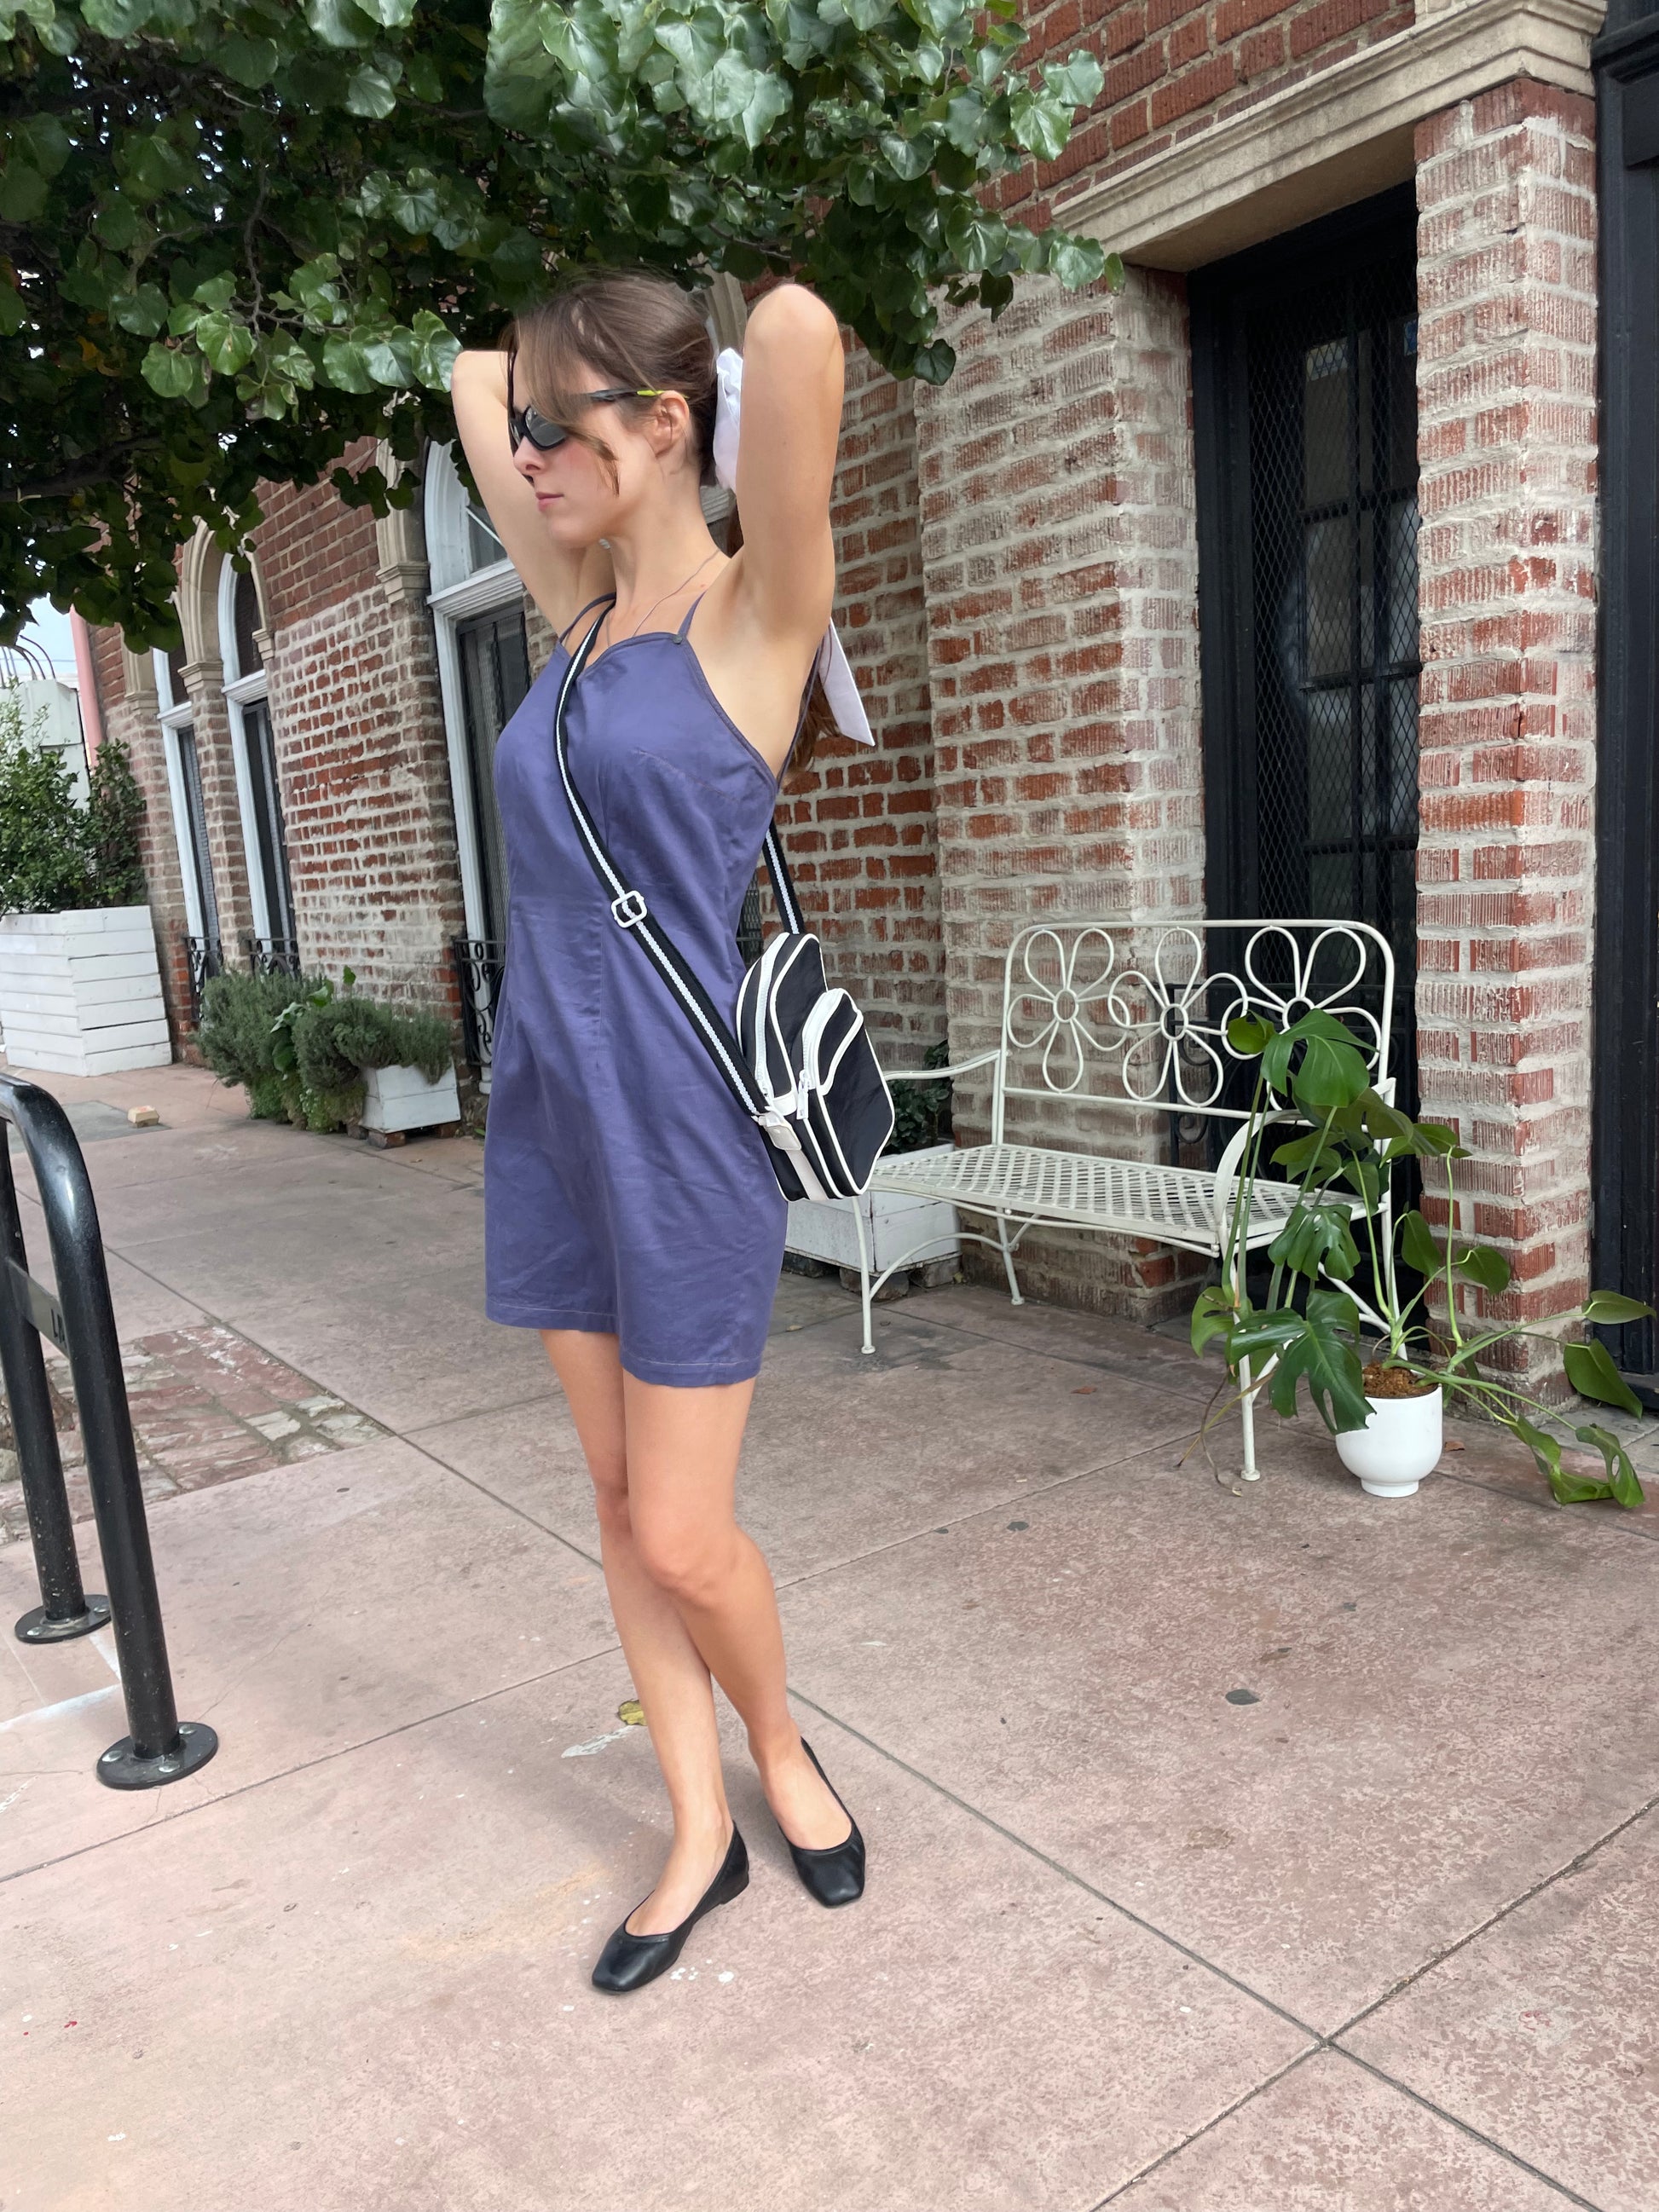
x,y
1008,1260
1252,1472
869,1343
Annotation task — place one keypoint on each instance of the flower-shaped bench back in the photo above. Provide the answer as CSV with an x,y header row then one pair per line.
x,y
1139,1016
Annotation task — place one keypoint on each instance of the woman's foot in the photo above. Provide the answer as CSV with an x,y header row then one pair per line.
x,y
802,1804
694,1861
629,1959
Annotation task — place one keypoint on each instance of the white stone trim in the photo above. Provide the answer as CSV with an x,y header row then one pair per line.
x,y
1332,139
239,691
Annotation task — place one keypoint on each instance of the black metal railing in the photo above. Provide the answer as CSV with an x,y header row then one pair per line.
x,y
205,957
158,1747
479,962
270,956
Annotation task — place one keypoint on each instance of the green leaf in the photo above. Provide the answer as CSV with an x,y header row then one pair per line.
x,y
117,224
1479,1263
371,91
1042,123
908,158
1076,261
1317,1348
1417,1246
1248,1035
44,142
977,240
117,19
1310,1155
142,312
13,310
23,193
1079,81
175,373
227,341
1339,1073
1611,1307
1316,1239
1568,1487
1592,1374
1213,1315
935,362
1623,1483
250,62
338,23
1434,1140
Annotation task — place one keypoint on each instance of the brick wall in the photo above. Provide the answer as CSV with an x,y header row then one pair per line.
x,y
1176,68
1507,432
1061,574
861,828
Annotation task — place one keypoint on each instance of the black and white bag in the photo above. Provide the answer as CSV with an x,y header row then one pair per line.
x,y
801,1064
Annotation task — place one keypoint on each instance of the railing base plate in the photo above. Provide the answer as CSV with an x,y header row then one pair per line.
x,y
39,1627
121,1768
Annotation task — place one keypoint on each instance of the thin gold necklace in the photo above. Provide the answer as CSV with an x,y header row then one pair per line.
x,y
672,591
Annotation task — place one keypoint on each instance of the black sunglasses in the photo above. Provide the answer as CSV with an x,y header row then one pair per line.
x,y
524,422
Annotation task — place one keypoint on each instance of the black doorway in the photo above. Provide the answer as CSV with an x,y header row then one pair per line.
x,y
1304,376
1626,1086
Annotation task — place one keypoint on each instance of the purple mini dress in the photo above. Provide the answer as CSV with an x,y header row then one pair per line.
x,y
625,1190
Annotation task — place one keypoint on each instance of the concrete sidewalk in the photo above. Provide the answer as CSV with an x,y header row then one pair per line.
x,y
1289,1851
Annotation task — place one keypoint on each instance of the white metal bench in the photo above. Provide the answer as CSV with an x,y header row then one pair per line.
x,y
1134,1022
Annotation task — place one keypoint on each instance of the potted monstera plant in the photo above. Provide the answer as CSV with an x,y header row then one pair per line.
x,y
1382,1402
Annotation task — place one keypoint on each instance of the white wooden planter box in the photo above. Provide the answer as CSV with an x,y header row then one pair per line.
x,y
80,992
401,1098
894,1222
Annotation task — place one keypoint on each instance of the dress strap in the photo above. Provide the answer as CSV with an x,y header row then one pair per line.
x,y
604,598
684,632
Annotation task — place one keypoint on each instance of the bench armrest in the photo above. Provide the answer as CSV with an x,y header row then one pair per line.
x,y
937,1074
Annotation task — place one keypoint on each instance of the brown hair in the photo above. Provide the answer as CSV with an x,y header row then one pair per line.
x,y
641,331
633,330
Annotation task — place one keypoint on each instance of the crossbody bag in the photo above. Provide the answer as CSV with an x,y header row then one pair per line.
x,y
800,1063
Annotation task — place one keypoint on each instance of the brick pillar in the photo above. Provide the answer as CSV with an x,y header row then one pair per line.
x,y
859,824
1507,431
1058,534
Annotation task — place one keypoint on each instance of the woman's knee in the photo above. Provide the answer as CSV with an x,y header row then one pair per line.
x,y
610,1498
693,1565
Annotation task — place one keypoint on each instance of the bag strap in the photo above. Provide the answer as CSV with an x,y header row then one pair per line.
x,y
629,912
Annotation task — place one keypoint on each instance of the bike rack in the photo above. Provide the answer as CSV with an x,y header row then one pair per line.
x,y
159,1747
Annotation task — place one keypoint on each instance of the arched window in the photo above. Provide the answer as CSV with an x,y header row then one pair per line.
x,y
189,813
259,792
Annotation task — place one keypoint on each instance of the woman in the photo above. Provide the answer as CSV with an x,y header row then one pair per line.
x,y
632,1214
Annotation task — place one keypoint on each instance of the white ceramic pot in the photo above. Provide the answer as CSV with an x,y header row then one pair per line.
x,y
1397,1447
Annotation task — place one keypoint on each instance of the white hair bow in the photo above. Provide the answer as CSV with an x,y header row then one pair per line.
x,y
840,688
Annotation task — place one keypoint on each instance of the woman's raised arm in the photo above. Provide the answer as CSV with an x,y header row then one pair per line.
x,y
560,580
793,377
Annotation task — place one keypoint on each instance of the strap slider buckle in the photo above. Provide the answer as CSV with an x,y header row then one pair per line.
x,y
628,909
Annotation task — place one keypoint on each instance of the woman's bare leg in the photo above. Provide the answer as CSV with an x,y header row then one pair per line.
x,y
670,1679
683,1447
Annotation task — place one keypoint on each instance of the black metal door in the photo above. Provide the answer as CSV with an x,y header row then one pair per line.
x,y
1626,1092
494,678
1304,371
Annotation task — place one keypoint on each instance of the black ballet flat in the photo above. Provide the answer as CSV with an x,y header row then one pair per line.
x,y
628,1961
834,1875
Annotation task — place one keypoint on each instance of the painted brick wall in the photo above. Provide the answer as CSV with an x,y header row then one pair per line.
x,y
1176,68
860,824
1507,432
1062,574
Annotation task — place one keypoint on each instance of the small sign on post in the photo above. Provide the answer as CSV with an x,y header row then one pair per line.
x,y
158,1748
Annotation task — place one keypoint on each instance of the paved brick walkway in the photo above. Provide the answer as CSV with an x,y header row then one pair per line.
x,y
1276,1851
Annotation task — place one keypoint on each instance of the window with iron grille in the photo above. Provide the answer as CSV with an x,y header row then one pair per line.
x,y
1304,383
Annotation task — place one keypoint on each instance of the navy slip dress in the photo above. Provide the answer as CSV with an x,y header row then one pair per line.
x,y
625,1190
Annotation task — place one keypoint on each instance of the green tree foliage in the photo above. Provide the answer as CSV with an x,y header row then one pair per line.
x,y
236,235
56,855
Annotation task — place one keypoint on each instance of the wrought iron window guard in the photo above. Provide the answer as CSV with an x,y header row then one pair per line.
x,y
270,956
479,962
206,958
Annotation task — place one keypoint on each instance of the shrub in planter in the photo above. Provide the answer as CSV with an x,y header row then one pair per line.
x,y
56,855
238,1038
921,1111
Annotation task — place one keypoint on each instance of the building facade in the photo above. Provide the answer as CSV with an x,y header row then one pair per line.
x,y
1288,578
